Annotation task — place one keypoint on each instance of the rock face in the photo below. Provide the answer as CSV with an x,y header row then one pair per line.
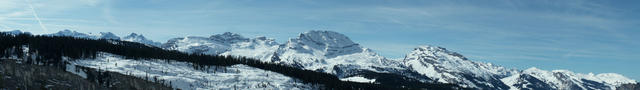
x,y
323,43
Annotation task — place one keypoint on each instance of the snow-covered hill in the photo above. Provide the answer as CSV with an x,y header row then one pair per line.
x,y
183,76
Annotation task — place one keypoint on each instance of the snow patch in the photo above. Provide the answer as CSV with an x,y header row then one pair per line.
x,y
359,79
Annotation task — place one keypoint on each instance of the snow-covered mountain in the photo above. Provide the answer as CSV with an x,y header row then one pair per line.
x,y
450,67
323,51
133,37
221,43
76,34
107,35
446,66
335,53
16,32
330,52
534,78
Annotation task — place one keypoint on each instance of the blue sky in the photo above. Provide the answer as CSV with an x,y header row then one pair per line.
x,y
579,35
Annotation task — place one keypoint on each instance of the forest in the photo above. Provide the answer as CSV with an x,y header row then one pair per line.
x,y
51,50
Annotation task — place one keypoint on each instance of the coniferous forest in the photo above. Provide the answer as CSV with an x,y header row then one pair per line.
x,y
50,50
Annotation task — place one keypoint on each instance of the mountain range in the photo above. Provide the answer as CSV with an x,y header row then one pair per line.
x,y
336,54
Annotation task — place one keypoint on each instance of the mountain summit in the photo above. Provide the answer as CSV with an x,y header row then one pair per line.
x,y
134,37
323,43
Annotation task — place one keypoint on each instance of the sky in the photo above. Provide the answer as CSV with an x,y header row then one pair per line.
x,y
599,36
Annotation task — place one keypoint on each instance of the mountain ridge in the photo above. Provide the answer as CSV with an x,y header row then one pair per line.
x,y
331,52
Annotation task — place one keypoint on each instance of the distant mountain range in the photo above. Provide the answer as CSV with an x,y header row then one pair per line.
x,y
336,54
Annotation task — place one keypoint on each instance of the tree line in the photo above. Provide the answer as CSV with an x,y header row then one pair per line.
x,y
52,50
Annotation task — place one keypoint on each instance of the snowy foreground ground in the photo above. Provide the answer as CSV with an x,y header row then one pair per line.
x,y
183,76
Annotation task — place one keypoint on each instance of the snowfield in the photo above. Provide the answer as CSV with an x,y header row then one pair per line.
x,y
183,76
359,79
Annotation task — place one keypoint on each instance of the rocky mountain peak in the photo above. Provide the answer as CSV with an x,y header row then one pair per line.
x,y
435,53
326,38
324,43
228,37
108,35
134,37
68,32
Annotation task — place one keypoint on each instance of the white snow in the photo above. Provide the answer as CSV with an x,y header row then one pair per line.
x,y
323,50
445,66
182,75
72,68
133,37
312,50
610,79
359,79
510,81
15,32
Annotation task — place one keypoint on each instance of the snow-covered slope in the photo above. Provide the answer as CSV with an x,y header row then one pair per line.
x,y
227,43
183,76
450,67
